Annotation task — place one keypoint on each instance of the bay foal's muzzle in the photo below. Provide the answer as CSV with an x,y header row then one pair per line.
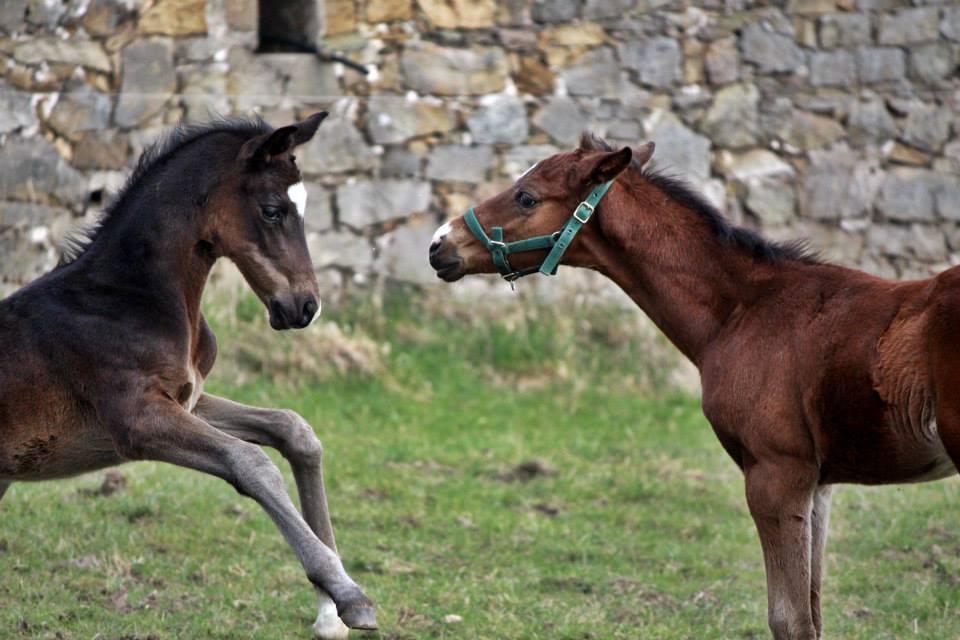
x,y
293,311
444,257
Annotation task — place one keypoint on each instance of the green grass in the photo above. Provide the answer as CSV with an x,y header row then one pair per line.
x,y
640,532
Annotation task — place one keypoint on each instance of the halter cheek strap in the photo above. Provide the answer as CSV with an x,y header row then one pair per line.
x,y
557,242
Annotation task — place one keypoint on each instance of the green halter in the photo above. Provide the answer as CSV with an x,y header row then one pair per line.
x,y
557,242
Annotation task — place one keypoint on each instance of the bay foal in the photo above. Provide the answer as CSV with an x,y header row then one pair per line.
x,y
104,358
812,374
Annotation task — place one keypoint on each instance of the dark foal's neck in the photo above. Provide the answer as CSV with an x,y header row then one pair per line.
x,y
671,261
149,246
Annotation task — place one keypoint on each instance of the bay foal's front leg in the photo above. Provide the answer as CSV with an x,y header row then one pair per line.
x,y
296,440
780,497
163,431
819,523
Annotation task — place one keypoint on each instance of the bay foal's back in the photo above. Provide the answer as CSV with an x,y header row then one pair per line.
x,y
812,374
105,356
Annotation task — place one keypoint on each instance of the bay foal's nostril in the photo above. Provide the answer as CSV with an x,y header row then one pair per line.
x,y
309,310
435,246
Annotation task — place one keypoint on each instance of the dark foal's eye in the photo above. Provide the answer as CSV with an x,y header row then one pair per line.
x,y
525,200
271,213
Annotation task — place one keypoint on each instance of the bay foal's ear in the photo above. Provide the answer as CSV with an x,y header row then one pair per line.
x,y
607,165
258,151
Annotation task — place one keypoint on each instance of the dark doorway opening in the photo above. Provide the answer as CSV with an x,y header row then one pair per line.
x,y
288,26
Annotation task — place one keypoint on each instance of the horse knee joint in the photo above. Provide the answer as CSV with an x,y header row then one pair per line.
x,y
302,443
779,626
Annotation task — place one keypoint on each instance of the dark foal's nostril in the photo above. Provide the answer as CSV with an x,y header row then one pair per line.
x,y
309,310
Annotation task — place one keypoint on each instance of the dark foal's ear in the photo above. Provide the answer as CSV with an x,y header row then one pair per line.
x,y
258,151
607,165
308,127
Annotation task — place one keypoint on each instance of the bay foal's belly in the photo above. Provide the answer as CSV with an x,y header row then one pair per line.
x,y
888,454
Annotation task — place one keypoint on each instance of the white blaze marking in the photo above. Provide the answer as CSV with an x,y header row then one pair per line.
x,y
298,195
532,167
441,232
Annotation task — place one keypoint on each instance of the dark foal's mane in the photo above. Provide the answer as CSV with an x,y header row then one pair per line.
x,y
727,233
153,157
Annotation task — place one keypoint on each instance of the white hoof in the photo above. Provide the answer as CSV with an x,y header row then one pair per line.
x,y
328,625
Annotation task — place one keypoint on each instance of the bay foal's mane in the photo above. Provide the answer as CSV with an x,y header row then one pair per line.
x,y
156,155
723,230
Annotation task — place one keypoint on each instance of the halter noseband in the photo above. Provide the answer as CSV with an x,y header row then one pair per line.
x,y
557,242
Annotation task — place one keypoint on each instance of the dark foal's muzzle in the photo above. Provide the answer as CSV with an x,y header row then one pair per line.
x,y
296,312
557,242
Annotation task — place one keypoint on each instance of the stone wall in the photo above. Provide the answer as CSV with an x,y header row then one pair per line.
x,y
837,120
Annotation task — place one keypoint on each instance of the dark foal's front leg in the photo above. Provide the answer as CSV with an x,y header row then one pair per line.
x,y
780,495
3,488
819,523
296,440
161,430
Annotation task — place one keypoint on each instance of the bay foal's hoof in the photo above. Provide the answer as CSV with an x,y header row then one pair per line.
x,y
359,614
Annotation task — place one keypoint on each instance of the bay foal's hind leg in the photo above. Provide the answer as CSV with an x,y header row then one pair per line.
x,y
163,431
819,523
780,497
296,440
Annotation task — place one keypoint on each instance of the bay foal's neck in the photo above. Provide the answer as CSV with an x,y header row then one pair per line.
x,y
668,260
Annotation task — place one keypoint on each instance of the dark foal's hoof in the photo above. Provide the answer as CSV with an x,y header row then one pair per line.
x,y
359,615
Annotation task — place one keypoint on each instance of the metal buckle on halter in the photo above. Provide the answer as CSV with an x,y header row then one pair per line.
x,y
585,218
498,243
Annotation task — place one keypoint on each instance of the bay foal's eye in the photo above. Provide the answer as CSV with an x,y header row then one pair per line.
x,y
525,200
271,213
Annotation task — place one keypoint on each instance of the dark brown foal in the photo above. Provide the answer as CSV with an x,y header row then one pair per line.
x,y
105,357
812,374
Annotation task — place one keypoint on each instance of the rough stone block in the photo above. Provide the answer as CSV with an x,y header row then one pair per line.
x,y
844,30
367,202
880,64
459,14
31,170
175,18
596,74
148,81
499,119
561,119
832,68
907,194
656,60
446,71
723,61
731,120
456,163
908,26
771,51
395,119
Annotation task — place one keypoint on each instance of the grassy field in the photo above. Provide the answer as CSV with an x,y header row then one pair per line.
x,y
631,524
